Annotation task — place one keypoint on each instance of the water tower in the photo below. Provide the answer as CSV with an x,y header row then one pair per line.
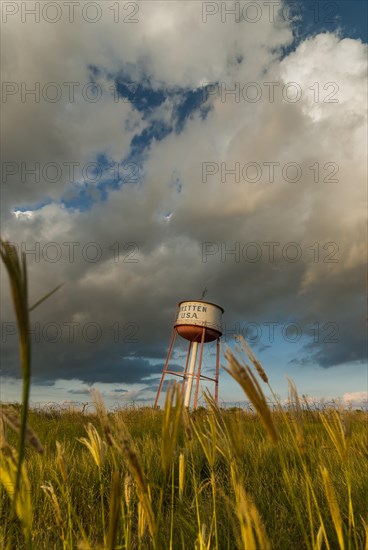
x,y
198,322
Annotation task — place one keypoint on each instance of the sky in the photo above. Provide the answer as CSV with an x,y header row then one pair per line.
x,y
153,149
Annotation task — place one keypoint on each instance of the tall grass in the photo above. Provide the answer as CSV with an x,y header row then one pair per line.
x,y
227,486
11,470
173,479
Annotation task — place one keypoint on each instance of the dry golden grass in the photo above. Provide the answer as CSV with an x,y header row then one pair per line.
x,y
177,480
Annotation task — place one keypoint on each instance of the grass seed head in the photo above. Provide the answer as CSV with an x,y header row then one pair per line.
x,y
128,489
245,377
49,490
252,358
94,444
61,462
10,417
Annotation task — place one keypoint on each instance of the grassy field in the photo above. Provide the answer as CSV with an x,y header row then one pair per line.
x,y
168,479
172,479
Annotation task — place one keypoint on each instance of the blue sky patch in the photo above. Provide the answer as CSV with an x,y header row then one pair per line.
x,y
33,207
349,17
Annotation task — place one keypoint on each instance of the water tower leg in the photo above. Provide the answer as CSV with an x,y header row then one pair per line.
x,y
185,373
165,368
217,369
191,374
199,370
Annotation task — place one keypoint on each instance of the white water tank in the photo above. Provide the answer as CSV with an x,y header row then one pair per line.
x,y
195,315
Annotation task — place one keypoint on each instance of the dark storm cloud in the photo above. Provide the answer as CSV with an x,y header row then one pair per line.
x,y
114,313
80,392
345,343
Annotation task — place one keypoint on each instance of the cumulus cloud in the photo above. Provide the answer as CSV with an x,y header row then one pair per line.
x,y
356,398
129,250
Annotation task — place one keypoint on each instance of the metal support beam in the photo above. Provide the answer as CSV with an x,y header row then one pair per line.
x,y
165,367
191,370
199,369
191,374
185,374
217,369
